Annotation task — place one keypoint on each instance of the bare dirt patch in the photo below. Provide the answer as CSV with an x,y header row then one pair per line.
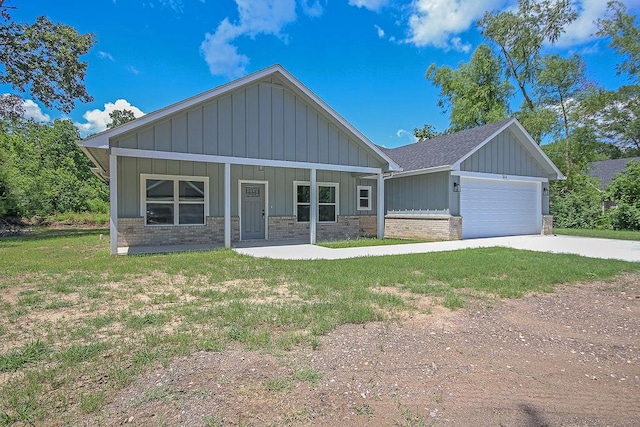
x,y
570,358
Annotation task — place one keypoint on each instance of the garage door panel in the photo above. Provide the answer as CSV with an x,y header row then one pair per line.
x,y
491,207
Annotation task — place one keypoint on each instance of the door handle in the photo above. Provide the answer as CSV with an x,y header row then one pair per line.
x,y
262,213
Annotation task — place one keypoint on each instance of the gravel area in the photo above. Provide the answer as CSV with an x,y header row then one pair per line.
x,y
570,358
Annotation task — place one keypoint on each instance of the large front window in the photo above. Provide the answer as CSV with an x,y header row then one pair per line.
x,y
174,200
327,201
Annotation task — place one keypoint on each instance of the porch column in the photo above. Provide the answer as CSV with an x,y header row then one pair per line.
x,y
380,228
227,205
313,207
113,204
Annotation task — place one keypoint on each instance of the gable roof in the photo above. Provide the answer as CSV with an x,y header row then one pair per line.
x,y
96,146
605,170
447,152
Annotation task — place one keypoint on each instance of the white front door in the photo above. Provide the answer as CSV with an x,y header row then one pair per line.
x,y
496,207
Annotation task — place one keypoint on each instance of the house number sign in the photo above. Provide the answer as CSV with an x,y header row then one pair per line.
x,y
252,191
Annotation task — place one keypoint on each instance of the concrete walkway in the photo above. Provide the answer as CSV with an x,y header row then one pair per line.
x,y
626,250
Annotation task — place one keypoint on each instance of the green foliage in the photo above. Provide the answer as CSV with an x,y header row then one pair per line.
x,y
615,115
45,173
120,117
520,34
43,59
576,202
475,93
625,191
621,27
427,132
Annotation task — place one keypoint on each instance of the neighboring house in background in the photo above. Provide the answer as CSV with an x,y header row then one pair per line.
x,y
605,171
492,180
261,157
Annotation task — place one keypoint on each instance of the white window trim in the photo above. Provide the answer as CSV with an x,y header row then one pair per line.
x,y
318,185
176,200
368,198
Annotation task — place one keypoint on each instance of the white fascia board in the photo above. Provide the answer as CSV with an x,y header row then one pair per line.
x,y
539,150
102,139
456,165
531,146
495,176
434,169
247,161
94,161
393,166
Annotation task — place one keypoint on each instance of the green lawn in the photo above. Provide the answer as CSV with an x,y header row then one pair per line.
x,y
73,315
603,234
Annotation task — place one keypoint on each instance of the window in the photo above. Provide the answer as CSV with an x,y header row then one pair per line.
x,y
174,200
327,201
363,197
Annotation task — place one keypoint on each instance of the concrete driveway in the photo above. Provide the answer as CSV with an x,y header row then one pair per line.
x,y
626,250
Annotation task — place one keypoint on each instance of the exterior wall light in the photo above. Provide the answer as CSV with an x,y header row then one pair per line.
x,y
456,187
545,191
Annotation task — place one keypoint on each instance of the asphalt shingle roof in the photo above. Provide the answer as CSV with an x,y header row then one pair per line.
x,y
443,150
605,170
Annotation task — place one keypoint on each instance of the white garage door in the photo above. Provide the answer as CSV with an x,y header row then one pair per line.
x,y
495,207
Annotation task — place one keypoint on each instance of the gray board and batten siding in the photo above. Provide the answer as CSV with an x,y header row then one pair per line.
x,y
504,155
281,191
262,120
418,192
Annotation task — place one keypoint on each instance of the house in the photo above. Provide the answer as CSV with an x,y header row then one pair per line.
x,y
261,157
606,170
264,158
492,180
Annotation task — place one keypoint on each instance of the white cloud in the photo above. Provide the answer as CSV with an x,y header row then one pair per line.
x,y
436,22
406,135
256,17
315,9
105,55
380,31
97,120
583,29
133,70
33,111
374,5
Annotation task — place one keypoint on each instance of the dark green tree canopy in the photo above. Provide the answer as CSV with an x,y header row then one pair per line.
x,y
42,59
476,93
120,117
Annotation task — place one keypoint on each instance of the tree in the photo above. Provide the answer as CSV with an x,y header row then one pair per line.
x,y
42,59
520,35
625,38
576,202
625,191
120,117
427,132
616,116
476,93
559,84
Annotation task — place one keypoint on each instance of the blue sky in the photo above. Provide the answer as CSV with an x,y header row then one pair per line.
x,y
365,58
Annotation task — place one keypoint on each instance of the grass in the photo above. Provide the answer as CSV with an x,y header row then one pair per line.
x,y
359,243
77,324
602,234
